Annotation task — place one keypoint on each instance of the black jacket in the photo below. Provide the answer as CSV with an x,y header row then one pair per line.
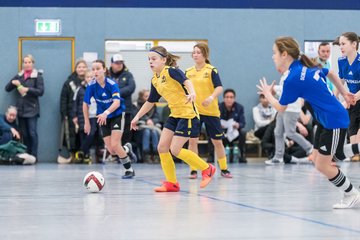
x,y
67,94
77,107
28,106
126,84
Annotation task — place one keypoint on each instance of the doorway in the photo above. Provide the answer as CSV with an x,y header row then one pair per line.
x,y
55,56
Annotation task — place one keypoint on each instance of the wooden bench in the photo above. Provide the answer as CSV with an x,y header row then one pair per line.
x,y
257,144
247,143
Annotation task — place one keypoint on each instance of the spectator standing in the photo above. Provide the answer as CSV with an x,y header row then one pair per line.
x,y
69,88
29,83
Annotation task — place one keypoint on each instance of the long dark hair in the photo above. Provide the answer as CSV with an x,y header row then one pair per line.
x,y
352,37
103,65
290,45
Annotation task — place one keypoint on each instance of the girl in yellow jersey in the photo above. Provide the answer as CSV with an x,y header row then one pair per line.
x,y
208,87
171,84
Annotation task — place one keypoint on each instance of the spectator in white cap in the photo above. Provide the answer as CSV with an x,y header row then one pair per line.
x,y
121,74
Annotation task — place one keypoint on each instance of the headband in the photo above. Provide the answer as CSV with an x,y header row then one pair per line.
x,y
158,53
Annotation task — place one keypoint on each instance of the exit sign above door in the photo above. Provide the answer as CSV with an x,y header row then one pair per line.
x,y
47,27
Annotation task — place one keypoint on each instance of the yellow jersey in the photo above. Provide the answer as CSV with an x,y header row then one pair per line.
x,y
205,81
169,85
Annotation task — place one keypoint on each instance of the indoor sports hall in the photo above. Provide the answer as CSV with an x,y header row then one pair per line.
x,y
59,59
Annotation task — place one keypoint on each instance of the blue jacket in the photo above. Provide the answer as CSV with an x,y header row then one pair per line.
x,y
236,112
5,132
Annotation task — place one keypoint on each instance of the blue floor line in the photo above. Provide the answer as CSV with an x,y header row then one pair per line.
x,y
257,208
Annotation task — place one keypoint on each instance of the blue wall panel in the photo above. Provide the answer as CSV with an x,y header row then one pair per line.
x,y
240,39
262,4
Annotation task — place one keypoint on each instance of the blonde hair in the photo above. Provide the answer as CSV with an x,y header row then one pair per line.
x,y
30,57
79,62
205,51
170,58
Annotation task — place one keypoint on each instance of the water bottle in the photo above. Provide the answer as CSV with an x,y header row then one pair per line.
x,y
236,154
227,153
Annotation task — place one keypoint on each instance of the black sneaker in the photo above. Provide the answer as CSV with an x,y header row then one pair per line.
x,y
87,159
79,157
242,160
128,175
226,173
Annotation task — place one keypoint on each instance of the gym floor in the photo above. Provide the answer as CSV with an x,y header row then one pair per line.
x,y
48,201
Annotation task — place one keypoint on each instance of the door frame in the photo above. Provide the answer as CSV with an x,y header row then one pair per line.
x,y
20,47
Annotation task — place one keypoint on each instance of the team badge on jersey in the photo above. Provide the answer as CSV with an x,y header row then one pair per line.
x,y
163,79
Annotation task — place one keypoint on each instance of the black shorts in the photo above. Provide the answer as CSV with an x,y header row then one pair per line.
x,y
114,123
330,141
354,115
213,126
183,127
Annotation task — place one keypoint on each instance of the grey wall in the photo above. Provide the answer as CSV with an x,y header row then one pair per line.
x,y
240,39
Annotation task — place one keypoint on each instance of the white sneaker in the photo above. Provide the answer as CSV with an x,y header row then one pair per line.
x,y
303,160
349,201
274,161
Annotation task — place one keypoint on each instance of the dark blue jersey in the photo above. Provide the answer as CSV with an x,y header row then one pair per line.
x,y
310,84
350,73
104,96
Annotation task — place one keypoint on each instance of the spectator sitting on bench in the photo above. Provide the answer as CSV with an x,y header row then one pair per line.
x,y
230,109
9,130
263,114
150,136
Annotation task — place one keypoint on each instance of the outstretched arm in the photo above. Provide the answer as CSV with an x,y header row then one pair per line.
x,y
143,110
267,90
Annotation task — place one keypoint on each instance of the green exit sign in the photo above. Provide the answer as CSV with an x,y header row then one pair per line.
x,y
47,27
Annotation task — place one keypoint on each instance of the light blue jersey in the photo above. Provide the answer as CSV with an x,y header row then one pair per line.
x,y
104,97
310,84
350,73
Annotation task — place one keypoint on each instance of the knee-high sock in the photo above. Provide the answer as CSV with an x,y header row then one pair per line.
x,y
343,183
222,163
126,162
192,159
168,167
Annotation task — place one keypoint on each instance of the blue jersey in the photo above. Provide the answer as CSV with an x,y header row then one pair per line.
x,y
310,84
104,97
350,73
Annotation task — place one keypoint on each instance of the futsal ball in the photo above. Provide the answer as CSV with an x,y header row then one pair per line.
x,y
94,181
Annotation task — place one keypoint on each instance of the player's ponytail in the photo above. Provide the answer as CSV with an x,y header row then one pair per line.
x,y
290,45
308,62
171,59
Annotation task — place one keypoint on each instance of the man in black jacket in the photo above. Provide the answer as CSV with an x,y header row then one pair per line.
x,y
121,74
230,109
